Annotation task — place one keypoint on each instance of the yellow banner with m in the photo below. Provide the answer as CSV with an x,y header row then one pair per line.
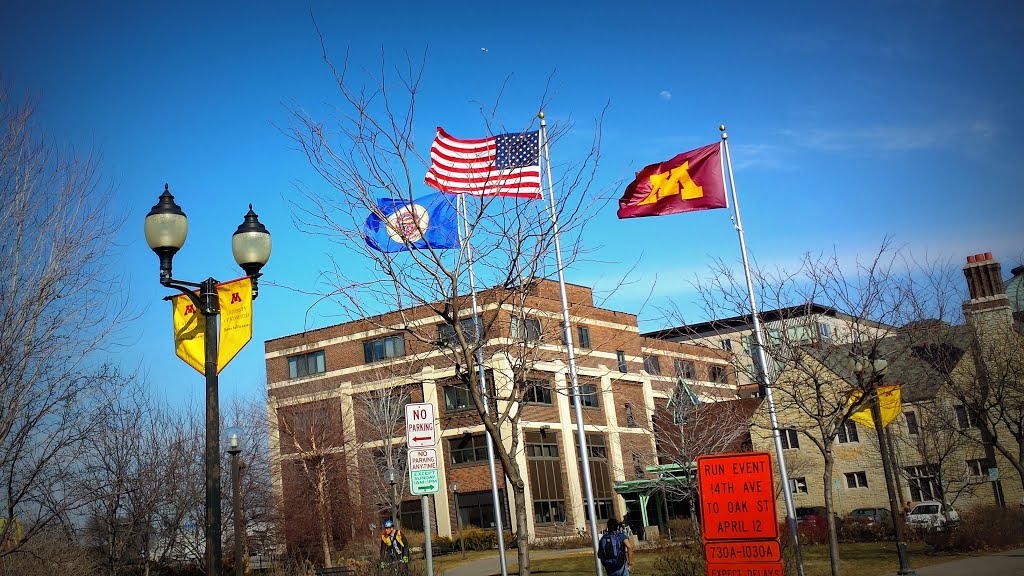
x,y
235,301
890,403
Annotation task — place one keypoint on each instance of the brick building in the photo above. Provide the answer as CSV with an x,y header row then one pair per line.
x,y
328,443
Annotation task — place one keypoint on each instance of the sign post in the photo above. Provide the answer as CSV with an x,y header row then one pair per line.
x,y
738,521
420,439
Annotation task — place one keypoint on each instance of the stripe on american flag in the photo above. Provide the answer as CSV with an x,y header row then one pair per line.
x,y
459,166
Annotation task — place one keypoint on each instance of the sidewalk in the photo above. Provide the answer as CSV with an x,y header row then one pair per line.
x,y
1008,562
491,566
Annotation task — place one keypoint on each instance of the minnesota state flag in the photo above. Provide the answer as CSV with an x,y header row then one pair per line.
x,y
690,181
426,222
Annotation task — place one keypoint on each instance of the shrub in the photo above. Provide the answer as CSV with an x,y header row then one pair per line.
x,y
856,532
475,539
981,528
682,529
683,560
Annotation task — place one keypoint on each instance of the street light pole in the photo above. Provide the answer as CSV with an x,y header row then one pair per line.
x,y
166,228
872,370
234,436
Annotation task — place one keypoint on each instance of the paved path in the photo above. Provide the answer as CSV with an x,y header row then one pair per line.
x,y
491,566
1008,563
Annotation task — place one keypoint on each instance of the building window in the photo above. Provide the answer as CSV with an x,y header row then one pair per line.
x,y
911,422
790,438
544,467
306,364
718,373
964,418
923,482
848,433
685,369
457,397
824,332
602,486
526,329
638,465
630,418
652,365
411,515
583,334
470,331
799,335
588,396
383,348
979,467
798,485
727,344
468,449
477,509
537,391
856,479
621,356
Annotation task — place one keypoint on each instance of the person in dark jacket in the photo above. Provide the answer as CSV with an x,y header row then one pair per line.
x,y
394,550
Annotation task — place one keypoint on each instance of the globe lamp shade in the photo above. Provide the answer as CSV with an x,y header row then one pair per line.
x,y
250,244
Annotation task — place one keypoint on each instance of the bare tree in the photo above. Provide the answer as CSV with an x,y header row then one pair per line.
x,y
815,391
385,411
685,428
368,150
314,460
60,306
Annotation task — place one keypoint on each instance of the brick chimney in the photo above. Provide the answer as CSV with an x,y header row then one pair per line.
x,y
985,284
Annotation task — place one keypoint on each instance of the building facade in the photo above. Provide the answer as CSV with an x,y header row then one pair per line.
x,y
328,389
955,417
807,324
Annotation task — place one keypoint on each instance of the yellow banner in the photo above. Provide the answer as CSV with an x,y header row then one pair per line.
x,y
10,534
235,300
890,403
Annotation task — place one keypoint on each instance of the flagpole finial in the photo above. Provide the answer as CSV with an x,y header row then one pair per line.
x,y
540,115
721,127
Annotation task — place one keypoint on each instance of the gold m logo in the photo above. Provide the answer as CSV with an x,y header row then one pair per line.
x,y
676,181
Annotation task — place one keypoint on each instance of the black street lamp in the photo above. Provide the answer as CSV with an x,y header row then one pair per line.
x,y
234,442
391,475
869,372
166,228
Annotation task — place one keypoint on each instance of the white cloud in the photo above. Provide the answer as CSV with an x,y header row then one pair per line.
x,y
665,95
890,138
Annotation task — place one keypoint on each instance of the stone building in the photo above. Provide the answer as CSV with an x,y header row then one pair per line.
x,y
328,442
958,437
803,325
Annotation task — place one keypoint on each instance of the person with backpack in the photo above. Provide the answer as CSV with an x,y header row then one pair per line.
x,y
393,549
615,551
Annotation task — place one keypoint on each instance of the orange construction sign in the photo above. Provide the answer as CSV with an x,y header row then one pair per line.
x,y
737,496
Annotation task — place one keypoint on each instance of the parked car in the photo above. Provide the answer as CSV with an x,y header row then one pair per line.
x,y
813,516
930,515
870,517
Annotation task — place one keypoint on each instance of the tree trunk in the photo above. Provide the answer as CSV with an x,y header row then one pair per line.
x,y
325,540
830,518
522,536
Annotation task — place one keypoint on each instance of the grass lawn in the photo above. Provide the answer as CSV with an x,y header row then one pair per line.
x,y
868,559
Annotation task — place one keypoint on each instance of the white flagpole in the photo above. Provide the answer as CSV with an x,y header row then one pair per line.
x,y
761,365
581,437
482,375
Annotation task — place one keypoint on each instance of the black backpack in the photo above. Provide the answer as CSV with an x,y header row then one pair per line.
x,y
612,551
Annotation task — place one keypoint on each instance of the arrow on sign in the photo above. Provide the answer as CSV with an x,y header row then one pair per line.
x,y
420,439
427,487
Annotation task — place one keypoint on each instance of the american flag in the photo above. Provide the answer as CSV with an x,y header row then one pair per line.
x,y
503,165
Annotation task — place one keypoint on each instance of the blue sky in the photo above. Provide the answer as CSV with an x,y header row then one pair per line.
x,y
847,124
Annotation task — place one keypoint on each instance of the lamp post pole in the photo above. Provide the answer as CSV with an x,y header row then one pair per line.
x,y
166,228
234,449
873,370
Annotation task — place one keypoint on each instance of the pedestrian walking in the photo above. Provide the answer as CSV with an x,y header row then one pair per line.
x,y
615,551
